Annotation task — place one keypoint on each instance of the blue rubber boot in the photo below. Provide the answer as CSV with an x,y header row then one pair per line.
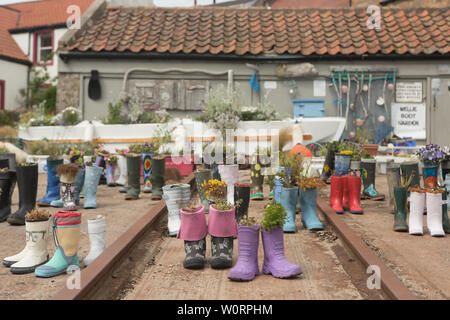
x,y
66,235
79,182
309,209
288,200
147,169
278,184
52,184
91,180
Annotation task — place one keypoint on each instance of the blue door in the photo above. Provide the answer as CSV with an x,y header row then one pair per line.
x,y
309,108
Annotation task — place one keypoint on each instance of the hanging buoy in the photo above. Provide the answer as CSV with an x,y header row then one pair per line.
x,y
390,86
381,118
352,134
352,106
359,122
344,89
365,87
380,101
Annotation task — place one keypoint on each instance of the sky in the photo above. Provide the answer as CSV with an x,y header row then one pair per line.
x,y
165,3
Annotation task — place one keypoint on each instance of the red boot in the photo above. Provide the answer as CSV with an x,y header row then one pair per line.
x,y
336,194
345,193
354,195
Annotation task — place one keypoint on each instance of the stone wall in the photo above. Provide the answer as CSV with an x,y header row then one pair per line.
x,y
68,94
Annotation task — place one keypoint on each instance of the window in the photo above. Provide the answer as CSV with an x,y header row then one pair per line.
x,y
2,94
43,45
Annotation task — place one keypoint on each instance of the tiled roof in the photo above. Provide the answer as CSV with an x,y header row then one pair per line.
x,y
259,31
9,47
46,12
310,4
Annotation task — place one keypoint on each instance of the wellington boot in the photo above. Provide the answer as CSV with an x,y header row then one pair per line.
x,y
158,177
134,175
27,181
336,191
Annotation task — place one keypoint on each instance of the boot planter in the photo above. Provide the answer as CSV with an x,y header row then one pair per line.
x,y
355,168
7,179
177,196
193,231
257,181
110,174
158,176
200,177
241,192
434,214
275,262
416,207
222,227
288,200
91,181
67,174
278,183
308,205
134,176
35,252
246,267
230,175
53,192
393,178
368,168
336,194
328,166
66,235
79,183
342,164
97,238
445,219
400,194
430,174
101,163
353,189
147,168
411,168
27,181
122,165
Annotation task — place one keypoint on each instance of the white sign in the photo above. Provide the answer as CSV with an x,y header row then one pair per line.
x,y
270,84
319,88
409,120
408,92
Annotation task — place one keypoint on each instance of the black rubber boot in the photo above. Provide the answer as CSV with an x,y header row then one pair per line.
x,y
222,252
328,166
27,181
411,168
241,192
11,164
445,219
257,181
7,179
195,254
158,177
368,168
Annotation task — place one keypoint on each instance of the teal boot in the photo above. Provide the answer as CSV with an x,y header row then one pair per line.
x,y
91,180
288,200
309,209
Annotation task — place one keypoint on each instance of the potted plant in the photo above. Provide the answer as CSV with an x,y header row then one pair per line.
x,y
275,261
363,138
430,155
308,195
342,162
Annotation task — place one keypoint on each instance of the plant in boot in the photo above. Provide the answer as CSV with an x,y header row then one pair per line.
x,y
222,227
53,183
434,212
368,167
67,174
329,152
430,155
270,182
176,197
76,156
134,175
308,195
7,178
27,181
158,176
215,190
91,180
66,235
97,238
201,176
416,206
275,261
35,252
246,267
242,199
193,231
288,200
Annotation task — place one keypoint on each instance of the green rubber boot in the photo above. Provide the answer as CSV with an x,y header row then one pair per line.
x,y
411,168
134,176
368,167
445,219
400,195
393,178
158,177
202,176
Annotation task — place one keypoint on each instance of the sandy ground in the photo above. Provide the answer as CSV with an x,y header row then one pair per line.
x,y
329,271
120,215
421,262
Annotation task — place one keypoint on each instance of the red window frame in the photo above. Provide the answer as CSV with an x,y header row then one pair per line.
x,y
2,94
35,47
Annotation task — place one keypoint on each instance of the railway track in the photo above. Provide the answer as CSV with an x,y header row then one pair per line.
x,y
143,263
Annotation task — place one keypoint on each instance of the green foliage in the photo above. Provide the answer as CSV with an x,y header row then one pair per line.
x,y
8,118
38,90
49,98
363,136
223,205
3,150
248,221
114,113
274,216
270,181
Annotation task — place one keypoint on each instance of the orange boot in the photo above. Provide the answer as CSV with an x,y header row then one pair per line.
x,y
336,194
354,194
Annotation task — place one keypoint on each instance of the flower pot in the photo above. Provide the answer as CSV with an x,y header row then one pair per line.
x,y
222,223
430,173
370,149
184,163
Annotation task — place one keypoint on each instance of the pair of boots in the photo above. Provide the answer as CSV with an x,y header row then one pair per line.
x,y
345,194
275,262
288,200
222,227
177,196
157,176
437,216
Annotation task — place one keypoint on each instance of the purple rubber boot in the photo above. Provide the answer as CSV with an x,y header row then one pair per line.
x,y
275,261
246,267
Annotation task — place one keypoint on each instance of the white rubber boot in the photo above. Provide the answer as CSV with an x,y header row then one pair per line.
x,y
434,214
97,238
123,174
177,196
36,248
416,207
230,175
